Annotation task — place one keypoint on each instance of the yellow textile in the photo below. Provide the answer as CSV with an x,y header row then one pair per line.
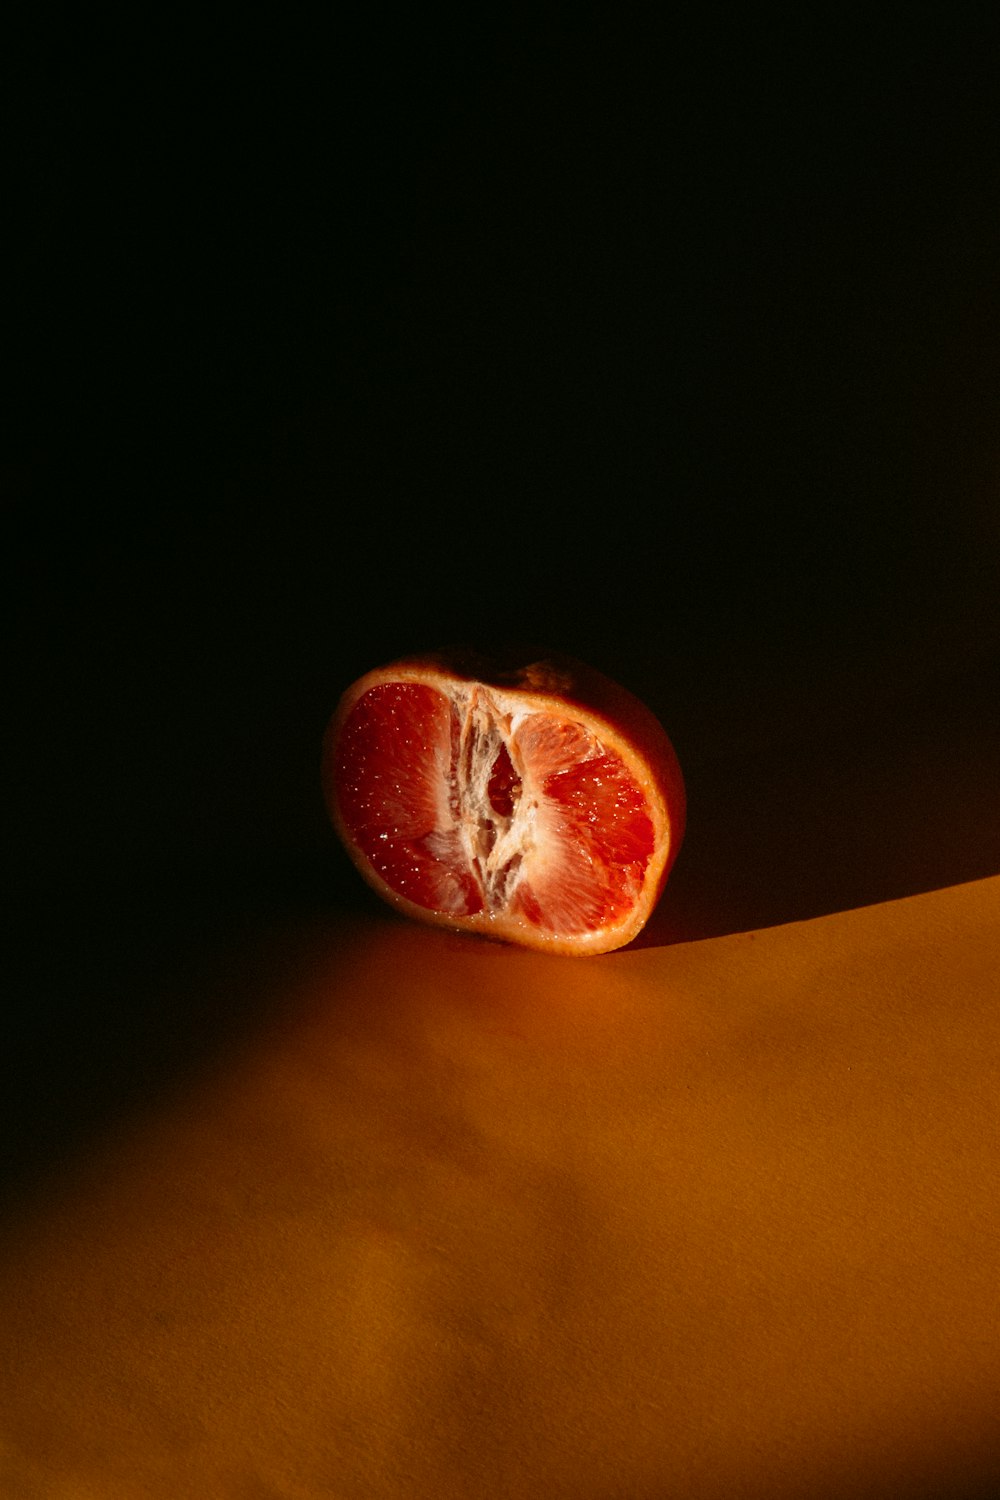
x,y
455,1220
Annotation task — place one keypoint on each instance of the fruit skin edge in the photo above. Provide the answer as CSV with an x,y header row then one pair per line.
x,y
543,681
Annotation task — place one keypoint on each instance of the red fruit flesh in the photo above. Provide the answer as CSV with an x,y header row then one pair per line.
x,y
398,795
462,807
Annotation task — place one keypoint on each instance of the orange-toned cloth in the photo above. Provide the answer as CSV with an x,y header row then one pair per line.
x,y
456,1220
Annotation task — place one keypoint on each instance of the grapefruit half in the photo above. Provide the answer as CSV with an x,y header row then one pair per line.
x,y
531,800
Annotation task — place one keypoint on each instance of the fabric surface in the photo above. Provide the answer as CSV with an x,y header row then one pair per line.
x,y
449,1219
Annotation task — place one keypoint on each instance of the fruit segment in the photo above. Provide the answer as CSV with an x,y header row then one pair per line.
x,y
398,798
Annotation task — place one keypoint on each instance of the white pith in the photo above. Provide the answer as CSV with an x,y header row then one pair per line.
x,y
501,849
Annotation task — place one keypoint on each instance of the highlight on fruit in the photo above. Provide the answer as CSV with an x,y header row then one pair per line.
x,y
527,798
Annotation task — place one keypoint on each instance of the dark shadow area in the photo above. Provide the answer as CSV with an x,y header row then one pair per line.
x,y
886,803
118,996
115,997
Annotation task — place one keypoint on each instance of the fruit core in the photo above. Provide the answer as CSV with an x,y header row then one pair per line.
x,y
464,802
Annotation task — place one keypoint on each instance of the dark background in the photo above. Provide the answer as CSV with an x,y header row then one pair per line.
x,y
672,343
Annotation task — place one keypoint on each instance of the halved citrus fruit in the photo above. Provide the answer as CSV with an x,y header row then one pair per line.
x,y
532,800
